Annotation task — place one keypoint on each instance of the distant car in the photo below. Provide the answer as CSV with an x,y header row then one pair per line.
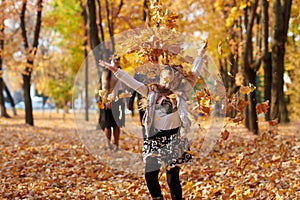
x,y
37,102
7,104
20,105
35,105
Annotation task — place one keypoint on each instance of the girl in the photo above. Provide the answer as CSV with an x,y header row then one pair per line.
x,y
166,112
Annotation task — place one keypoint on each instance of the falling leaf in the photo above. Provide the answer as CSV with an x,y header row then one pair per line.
x,y
273,122
245,89
238,118
230,75
225,134
262,107
204,109
220,48
252,87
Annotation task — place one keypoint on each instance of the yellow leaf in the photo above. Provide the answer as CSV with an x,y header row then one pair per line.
x,y
231,18
265,165
189,184
245,89
218,5
243,5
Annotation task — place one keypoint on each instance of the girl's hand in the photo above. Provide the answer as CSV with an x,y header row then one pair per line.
x,y
202,49
112,67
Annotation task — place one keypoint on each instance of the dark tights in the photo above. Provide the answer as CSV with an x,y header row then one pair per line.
x,y
151,176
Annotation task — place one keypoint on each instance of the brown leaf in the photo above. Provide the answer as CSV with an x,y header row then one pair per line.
x,y
225,134
262,107
273,122
238,118
204,109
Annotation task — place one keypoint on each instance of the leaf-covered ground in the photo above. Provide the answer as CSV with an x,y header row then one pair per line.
x,y
48,161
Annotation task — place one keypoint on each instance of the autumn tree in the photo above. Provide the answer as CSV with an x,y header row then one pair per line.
x,y
292,62
3,86
85,49
266,54
282,10
233,43
61,52
103,14
11,40
3,112
30,54
250,66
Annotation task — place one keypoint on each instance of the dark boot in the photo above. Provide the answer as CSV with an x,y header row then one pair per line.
x,y
174,183
153,184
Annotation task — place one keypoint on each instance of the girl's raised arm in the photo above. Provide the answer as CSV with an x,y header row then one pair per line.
x,y
200,61
125,78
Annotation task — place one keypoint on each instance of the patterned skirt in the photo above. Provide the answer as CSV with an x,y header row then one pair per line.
x,y
168,147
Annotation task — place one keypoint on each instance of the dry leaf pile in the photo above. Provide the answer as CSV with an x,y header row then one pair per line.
x,y
48,161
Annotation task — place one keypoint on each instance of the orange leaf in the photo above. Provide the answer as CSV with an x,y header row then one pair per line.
x,y
273,122
245,89
238,119
225,134
262,107
205,109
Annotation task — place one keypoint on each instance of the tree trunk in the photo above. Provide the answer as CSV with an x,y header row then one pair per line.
x,y
3,112
10,98
30,57
94,38
267,65
85,46
99,51
232,87
233,71
27,100
282,15
250,70
253,125
100,21
146,13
